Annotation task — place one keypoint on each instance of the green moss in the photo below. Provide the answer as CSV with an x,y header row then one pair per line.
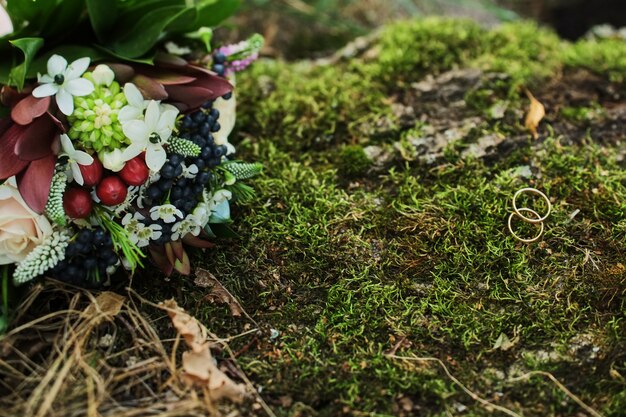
x,y
409,50
606,57
353,161
524,51
416,258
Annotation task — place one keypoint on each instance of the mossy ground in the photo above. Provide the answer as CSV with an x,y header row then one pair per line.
x,y
380,228
350,261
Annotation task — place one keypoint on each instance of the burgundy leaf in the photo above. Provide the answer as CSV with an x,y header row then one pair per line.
x,y
123,73
59,124
10,164
169,60
35,141
149,88
29,108
179,250
160,259
167,77
34,183
192,96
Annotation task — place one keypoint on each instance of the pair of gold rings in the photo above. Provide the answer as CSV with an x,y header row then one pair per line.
x,y
536,219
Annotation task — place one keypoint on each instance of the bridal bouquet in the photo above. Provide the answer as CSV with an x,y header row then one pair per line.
x,y
114,125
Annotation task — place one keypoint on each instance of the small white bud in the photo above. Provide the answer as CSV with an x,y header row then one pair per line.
x,y
103,75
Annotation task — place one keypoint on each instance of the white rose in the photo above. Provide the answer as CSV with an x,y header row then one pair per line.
x,y
21,229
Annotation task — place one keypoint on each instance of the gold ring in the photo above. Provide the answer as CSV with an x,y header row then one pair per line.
x,y
527,210
539,219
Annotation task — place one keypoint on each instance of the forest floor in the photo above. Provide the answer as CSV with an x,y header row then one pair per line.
x,y
374,272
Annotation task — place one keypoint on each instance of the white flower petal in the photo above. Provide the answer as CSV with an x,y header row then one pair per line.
x,y
44,78
45,90
152,115
133,95
131,152
166,124
82,158
77,68
155,157
136,131
113,160
65,102
56,65
66,144
79,87
78,176
128,113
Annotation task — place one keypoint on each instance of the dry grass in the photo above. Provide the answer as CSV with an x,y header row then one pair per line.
x,y
98,355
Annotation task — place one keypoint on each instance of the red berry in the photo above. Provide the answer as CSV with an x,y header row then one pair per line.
x,y
112,190
135,172
77,203
92,174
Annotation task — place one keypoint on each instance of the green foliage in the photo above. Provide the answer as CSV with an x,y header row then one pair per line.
x,y
124,29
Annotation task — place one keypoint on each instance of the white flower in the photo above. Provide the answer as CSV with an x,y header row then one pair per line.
x,y
75,158
150,134
190,171
136,104
64,81
140,234
103,75
167,212
113,160
191,224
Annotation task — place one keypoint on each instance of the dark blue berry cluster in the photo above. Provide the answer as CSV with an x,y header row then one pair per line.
x,y
219,61
87,257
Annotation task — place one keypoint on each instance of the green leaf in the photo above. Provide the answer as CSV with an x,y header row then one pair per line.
x,y
213,14
204,34
103,15
143,35
63,19
29,17
29,47
146,59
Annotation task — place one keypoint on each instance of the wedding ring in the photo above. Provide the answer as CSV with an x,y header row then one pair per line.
x,y
526,210
519,211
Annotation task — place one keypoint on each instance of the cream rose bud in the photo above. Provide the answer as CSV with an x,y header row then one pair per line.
x,y
21,229
103,75
113,160
227,109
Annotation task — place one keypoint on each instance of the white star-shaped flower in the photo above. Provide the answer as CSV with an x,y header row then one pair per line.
x,y
136,104
75,158
150,134
166,212
64,81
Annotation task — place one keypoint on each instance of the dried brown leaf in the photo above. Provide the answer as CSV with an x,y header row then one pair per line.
x,y
218,294
108,304
198,364
536,113
188,327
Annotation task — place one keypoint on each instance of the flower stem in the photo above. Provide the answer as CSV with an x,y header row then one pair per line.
x,y
4,320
